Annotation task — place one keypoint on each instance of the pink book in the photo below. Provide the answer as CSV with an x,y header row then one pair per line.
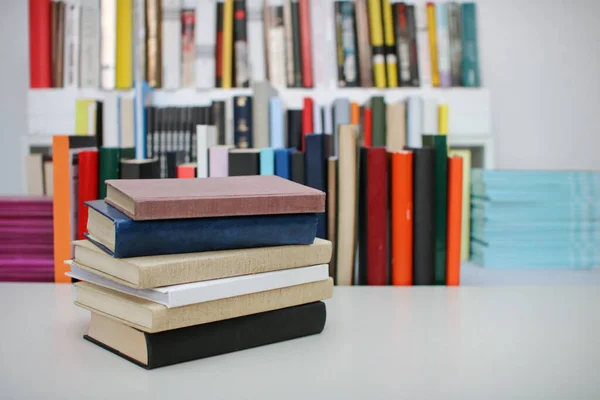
x,y
218,160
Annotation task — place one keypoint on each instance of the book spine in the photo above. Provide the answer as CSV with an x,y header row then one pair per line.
x,y
316,173
425,71
339,44
276,43
71,60
87,187
256,40
267,161
40,59
377,43
368,127
108,41
454,29
377,208
414,121
424,209
443,43
433,47
402,218
186,171
287,22
297,173
276,126
305,43
414,47
141,169
171,43
294,128
124,43
364,45
455,200
354,113
332,174
391,58
403,44
139,40
174,159
242,115
379,120
188,48
470,57
296,47
242,67
218,158
395,127
443,119
282,163
202,150
260,114
317,118
227,45
244,163
341,116
350,66
323,41
218,110
363,216
153,43
89,32
307,120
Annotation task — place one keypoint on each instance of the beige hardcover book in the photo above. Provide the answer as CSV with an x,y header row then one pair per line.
x,y
395,127
172,269
153,43
332,171
347,178
48,178
127,126
364,44
466,209
35,176
153,317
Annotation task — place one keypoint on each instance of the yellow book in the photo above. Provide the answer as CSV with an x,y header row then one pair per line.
x,y
85,117
443,119
391,61
466,206
431,29
227,75
124,70
378,49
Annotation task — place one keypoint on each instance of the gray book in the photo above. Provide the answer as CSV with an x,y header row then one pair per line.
x,y
454,28
261,93
341,116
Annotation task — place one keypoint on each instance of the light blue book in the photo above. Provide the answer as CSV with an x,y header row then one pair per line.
x,y
414,122
443,43
267,161
317,119
341,116
276,123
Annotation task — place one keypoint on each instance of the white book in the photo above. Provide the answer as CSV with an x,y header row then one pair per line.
x,y
317,119
323,43
89,54
414,121
71,53
256,40
423,46
111,136
276,48
430,117
126,121
328,120
229,139
443,44
139,40
201,292
171,43
206,28
108,43
206,137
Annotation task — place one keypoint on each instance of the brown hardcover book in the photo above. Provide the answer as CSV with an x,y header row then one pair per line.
x,y
152,317
153,199
60,44
332,164
395,127
173,269
53,41
364,44
153,45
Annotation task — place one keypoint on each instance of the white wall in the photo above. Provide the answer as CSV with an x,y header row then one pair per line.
x,y
540,59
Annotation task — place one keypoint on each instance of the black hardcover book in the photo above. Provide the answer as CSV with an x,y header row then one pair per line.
x,y
414,52
140,169
294,128
244,162
455,33
242,121
316,172
156,132
150,120
296,44
423,216
99,125
297,167
240,40
218,120
206,340
362,217
400,14
174,158
339,46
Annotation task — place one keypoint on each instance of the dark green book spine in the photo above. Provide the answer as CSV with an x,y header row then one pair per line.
x,y
110,162
378,108
440,144
296,44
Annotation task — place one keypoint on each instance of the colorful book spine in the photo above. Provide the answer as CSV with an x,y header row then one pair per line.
x,y
339,48
377,44
218,158
403,44
227,46
276,46
377,220
108,41
267,161
171,44
188,48
124,65
305,43
297,170
391,58
470,57
219,45
433,48
153,43
350,66
296,47
455,201
402,218
276,125
364,46
414,47
443,43
307,120
40,64
368,128
282,163
454,30
443,119
87,187
89,72
379,120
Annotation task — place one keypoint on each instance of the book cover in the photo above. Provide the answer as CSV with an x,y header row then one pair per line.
x,y
470,55
240,36
365,66
377,43
443,43
153,43
124,45
242,121
244,162
455,33
189,235
267,161
455,200
188,48
402,218
40,64
305,43
433,46
283,163
87,188
379,120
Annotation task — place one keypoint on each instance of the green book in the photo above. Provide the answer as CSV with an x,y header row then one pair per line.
x,y
378,112
110,165
440,218
470,54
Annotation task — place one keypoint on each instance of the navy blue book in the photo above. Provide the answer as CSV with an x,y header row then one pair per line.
x,y
242,121
120,236
282,163
315,173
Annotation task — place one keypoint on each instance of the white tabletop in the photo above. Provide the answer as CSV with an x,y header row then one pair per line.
x,y
400,343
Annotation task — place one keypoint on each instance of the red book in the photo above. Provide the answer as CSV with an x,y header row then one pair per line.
x,y
40,62
453,239
377,206
219,47
402,218
307,120
88,187
186,171
305,43
368,127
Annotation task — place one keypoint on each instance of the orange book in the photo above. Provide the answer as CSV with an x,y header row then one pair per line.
x,y
64,218
455,189
354,113
402,218
186,170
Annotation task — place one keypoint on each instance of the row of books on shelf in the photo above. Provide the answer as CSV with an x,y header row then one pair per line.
x,y
203,44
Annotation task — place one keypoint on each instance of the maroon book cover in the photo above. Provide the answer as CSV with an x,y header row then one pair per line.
x,y
377,221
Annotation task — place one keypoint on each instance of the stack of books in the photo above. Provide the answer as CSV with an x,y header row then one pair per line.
x,y
177,270
535,219
26,239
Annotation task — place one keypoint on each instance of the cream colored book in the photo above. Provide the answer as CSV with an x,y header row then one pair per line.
x,y
172,269
395,127
466,206
152,317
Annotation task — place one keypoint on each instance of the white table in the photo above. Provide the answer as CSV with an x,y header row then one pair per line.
x,y
400,343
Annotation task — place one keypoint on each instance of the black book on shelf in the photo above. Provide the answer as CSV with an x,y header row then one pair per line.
x,y
294,128
140,169
297,167
174,159
414,52
244,162
423,215
150,121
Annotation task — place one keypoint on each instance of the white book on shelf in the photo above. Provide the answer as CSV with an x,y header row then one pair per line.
x,y
443,44
126,122
323,43
317,118
206,137
423,46
171,44
71,52
256,40
276,45
327,119
139,40
430,117
414,121
111,116
200,292
89,36
108,43
206,37
229,139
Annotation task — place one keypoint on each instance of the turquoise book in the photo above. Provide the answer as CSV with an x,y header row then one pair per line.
x,y
267,161
470,56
